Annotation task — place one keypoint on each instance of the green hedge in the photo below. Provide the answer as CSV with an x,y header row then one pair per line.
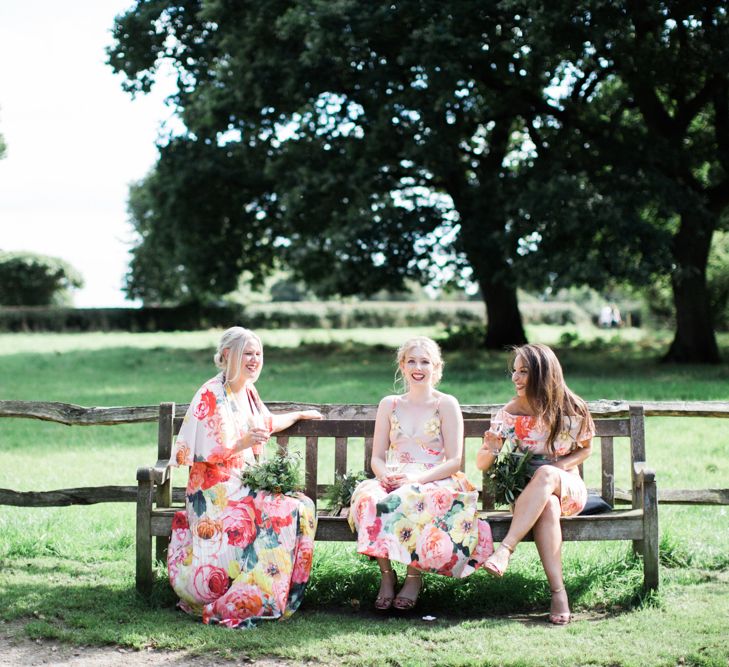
x,y
297,315
117,319
280,315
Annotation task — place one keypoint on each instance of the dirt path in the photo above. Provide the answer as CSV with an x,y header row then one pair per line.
x,y
16,649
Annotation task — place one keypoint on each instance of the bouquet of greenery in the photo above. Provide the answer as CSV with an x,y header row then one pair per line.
x,y
279,474
339,494
508,474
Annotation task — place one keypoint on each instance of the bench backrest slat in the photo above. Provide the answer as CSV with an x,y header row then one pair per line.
x,y
346,432
340,455
310,476
368,455
167,426
608,470
282,441
637,447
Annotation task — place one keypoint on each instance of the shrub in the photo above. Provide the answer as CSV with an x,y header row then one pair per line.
x,y
27,279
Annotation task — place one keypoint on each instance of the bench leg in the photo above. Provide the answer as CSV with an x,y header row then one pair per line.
x,y
161,544
650,542
163,498
144,578
638,502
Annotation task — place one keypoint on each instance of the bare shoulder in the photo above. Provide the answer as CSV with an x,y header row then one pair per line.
x,y
447,401
387,403
513,406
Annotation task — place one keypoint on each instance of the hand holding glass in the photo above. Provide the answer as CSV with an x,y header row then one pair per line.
x,y
493,437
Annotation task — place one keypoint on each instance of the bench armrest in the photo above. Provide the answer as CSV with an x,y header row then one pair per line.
x,y
159,473
643,474
644,485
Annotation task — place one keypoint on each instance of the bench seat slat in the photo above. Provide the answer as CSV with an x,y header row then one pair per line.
x,y
616,525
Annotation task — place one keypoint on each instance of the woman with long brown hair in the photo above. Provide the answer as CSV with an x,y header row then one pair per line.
x,y
548,419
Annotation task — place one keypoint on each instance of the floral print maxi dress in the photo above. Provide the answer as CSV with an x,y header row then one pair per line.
x,y
530,435
434,526
236,556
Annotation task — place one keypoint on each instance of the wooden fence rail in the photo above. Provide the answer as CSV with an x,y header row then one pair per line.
x,y
69,414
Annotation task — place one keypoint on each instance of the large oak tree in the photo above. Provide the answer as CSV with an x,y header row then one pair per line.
x,y
362,143
648,101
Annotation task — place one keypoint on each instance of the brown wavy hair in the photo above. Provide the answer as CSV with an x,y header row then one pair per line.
x,y
547,393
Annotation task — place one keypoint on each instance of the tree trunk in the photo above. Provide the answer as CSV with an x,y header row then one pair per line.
x,y
694,341
483,221
504,326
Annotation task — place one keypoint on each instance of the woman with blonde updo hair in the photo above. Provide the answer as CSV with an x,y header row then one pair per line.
x,y
420,510
237,555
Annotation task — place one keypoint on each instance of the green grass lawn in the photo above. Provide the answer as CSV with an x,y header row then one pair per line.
x,y
69,572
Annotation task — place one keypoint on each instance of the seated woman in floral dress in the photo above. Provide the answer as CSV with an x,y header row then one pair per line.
x,y
236,555
555,424
420,509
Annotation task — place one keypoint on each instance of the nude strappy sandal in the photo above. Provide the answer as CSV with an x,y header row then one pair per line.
x,y
490,565
384,602
563,618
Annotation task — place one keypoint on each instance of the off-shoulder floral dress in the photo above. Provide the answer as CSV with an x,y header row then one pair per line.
x,y
236,555
434,526
528,434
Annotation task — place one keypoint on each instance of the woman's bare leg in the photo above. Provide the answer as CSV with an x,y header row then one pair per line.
x,y
548,538
529,507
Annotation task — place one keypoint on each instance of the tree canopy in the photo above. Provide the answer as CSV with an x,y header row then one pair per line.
x,y
362,144
649,101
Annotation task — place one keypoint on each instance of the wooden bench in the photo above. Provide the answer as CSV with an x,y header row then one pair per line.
x,y
157,501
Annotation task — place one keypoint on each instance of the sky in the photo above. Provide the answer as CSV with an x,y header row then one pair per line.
x,y
75,140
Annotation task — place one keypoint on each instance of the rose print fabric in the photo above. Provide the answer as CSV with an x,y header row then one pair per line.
x,y
530,435
433,527
236,555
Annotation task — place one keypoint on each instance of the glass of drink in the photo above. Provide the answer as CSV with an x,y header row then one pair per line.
x,y
392,461
265,423
495,429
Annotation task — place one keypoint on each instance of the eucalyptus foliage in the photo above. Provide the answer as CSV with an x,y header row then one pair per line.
x,y
279,474
339,494
509,474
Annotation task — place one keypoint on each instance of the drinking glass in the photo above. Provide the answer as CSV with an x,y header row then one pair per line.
x,y
264,422
392,461
497,424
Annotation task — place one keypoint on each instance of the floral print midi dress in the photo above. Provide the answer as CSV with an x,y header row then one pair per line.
x,y
528,434
434,526
236,556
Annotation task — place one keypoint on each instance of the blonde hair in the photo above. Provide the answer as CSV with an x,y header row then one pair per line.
x,y
234,340
431,349
546,391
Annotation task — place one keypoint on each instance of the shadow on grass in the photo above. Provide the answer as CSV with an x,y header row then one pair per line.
x,y
96,604
613,586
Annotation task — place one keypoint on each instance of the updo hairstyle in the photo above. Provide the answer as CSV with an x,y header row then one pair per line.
x,y
431,349
234,339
